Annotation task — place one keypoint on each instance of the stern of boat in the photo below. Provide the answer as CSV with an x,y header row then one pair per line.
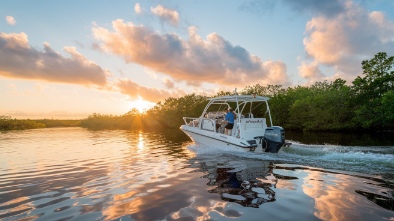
x,y
274,139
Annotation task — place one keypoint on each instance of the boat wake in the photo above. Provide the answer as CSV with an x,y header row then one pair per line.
x,y
372,160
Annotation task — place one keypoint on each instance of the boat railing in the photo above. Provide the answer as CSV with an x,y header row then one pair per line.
x,y
208,124
191,121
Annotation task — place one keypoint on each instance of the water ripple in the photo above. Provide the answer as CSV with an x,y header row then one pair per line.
x,y
73,173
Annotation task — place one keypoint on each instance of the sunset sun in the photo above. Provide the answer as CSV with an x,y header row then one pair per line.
x,y
140,104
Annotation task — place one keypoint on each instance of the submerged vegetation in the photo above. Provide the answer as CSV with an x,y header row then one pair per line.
x,y
366,104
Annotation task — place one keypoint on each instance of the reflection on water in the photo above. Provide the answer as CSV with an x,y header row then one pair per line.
x,y
242,183
386,201
77,174
71,172
304,192
248,183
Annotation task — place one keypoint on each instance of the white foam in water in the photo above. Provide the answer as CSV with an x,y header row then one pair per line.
x,y
370,160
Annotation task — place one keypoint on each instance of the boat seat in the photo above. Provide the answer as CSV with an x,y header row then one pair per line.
x,y
215,115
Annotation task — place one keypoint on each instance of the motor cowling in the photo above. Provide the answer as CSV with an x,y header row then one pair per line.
x,y
274,139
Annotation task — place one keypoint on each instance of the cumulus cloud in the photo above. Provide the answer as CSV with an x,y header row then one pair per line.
x,y
134,91
344,41
166,14
310,71
19,60
195,60
10,20
137,8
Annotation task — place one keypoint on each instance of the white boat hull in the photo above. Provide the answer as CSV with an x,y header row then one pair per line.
x,y
219,141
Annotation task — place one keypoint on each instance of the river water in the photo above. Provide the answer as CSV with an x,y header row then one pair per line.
x,y
78,174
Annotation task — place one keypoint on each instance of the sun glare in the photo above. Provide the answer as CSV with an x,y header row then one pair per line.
x,y
140,104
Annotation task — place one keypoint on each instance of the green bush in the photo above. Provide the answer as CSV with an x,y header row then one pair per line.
x,y
6,123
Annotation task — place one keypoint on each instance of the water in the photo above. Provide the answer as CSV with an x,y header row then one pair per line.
x,y
77,174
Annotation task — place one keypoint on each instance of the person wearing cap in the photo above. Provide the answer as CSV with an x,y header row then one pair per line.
x,y
230,122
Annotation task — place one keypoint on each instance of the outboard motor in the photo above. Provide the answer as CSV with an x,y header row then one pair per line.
x,y
274,139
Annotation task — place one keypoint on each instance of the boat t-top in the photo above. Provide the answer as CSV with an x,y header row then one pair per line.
x,y
250,131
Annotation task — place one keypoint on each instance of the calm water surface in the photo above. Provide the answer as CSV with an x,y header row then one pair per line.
x,y
77,174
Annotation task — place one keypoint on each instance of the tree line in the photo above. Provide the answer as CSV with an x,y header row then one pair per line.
x,y
7,123
365,104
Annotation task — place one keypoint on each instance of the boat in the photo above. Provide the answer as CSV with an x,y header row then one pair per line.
x,y
250,131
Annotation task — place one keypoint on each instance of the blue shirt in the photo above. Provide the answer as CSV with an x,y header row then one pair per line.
x,y
230,117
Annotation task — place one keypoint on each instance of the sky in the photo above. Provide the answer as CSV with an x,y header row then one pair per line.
x,y
67,59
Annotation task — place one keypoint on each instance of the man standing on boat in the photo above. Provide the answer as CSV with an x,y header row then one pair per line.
x,y
230,122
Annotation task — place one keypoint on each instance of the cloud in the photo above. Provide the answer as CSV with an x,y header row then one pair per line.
x,y
133,90
137,8
166,14
327,8
195,60
10,20
310,71
168,83
343,42
19,60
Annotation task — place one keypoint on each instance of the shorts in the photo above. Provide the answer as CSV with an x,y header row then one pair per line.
x,y
229,126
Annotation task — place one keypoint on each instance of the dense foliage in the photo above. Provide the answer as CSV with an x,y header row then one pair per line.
x,y
6,123
131,120
374,93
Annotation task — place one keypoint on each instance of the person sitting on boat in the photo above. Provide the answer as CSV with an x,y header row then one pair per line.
x,y
230,122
